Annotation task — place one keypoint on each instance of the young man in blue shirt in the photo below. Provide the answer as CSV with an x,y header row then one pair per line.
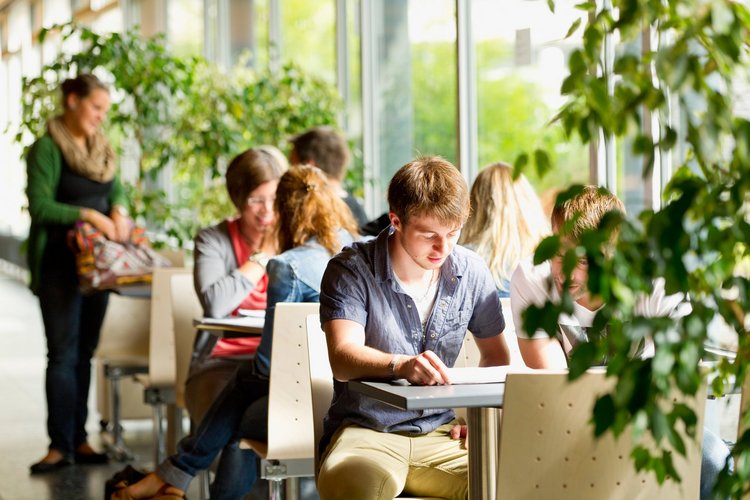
x,y
396,307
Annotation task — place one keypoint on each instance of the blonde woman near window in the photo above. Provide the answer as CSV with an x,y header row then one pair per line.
x,y
506,222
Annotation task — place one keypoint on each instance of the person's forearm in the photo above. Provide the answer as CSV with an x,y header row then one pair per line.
x,y
499,357
352,361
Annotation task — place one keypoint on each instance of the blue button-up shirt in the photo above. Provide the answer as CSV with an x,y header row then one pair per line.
x,y
359,285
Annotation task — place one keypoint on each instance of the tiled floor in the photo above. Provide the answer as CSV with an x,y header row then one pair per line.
x,y
23,438
22,413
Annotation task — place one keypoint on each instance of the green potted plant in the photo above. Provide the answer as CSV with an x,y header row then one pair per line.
x,y
698,242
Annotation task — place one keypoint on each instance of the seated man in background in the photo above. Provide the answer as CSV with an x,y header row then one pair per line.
x,y
398,306
325,147
542,283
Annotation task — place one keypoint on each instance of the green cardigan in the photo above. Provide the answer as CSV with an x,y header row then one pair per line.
x,y
44,165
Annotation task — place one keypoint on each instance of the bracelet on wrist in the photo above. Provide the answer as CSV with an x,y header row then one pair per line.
x,y
393,364
119,209
259,258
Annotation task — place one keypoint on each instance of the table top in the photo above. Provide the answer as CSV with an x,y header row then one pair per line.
x,y
400,394
135,290
239,324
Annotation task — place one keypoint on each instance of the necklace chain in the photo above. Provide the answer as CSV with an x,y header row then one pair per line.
x,y
429,287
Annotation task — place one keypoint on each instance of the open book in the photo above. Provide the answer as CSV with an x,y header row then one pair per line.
x,y
487,375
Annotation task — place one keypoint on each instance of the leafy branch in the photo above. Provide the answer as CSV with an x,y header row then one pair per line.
x,y
697,243
177,117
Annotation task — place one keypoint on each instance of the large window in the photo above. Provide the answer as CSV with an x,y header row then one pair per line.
x,y
308,35
410,84
185,26
521,59
409,87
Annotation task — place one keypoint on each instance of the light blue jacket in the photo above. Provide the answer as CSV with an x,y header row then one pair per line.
x,y
293,276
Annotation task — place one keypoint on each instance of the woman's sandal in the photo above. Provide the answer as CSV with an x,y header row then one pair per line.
x,y
162,494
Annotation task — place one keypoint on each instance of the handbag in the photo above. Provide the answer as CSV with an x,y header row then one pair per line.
x,y
103,264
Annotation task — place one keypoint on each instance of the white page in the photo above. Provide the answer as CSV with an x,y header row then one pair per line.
x,y
242,321
253,313
483,375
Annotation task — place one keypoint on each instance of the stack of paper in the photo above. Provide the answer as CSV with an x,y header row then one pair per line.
x,y
487,375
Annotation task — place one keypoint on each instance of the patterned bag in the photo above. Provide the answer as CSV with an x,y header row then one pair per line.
x,y
103,264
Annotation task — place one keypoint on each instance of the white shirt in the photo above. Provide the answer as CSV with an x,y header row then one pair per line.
x,y
534,285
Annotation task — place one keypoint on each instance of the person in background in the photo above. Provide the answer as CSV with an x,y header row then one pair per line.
x,y
506,222
325,147
399,306
225,277
72,176
539,284
312,225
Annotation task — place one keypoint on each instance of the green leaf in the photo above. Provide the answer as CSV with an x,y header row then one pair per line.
x,y
541,158
573,28
604,412
546,249
520,164
584,357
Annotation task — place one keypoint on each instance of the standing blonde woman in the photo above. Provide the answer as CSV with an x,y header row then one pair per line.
x,y
506,222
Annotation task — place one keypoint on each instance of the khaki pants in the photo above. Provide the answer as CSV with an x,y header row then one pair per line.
x,y
363,464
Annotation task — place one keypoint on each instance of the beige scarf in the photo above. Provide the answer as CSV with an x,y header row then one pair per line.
x,y
98,163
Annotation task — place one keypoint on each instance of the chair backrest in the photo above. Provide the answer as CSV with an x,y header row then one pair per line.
x,y
321,376
125,329
124,341
161,359
185,308
547,439
175,255
469,354
290,420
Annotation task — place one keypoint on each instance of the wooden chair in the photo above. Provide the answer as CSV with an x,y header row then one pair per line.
x,y
289,452
185,308
469,354
159,383
548,450
122,351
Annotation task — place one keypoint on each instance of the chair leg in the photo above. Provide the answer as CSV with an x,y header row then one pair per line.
x,y
174,426
204,484
160,450
291,491
118,449
275,488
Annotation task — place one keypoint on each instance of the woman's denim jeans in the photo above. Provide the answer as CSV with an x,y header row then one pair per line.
x,y
72,322
220,430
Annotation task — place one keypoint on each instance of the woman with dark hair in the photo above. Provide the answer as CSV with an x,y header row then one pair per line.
x,y
72,176
229,274
311,226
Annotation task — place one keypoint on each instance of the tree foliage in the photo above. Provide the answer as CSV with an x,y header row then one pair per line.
x,y
698,241
179,117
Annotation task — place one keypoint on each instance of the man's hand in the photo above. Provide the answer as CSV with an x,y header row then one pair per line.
x,y
423,369
461,431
